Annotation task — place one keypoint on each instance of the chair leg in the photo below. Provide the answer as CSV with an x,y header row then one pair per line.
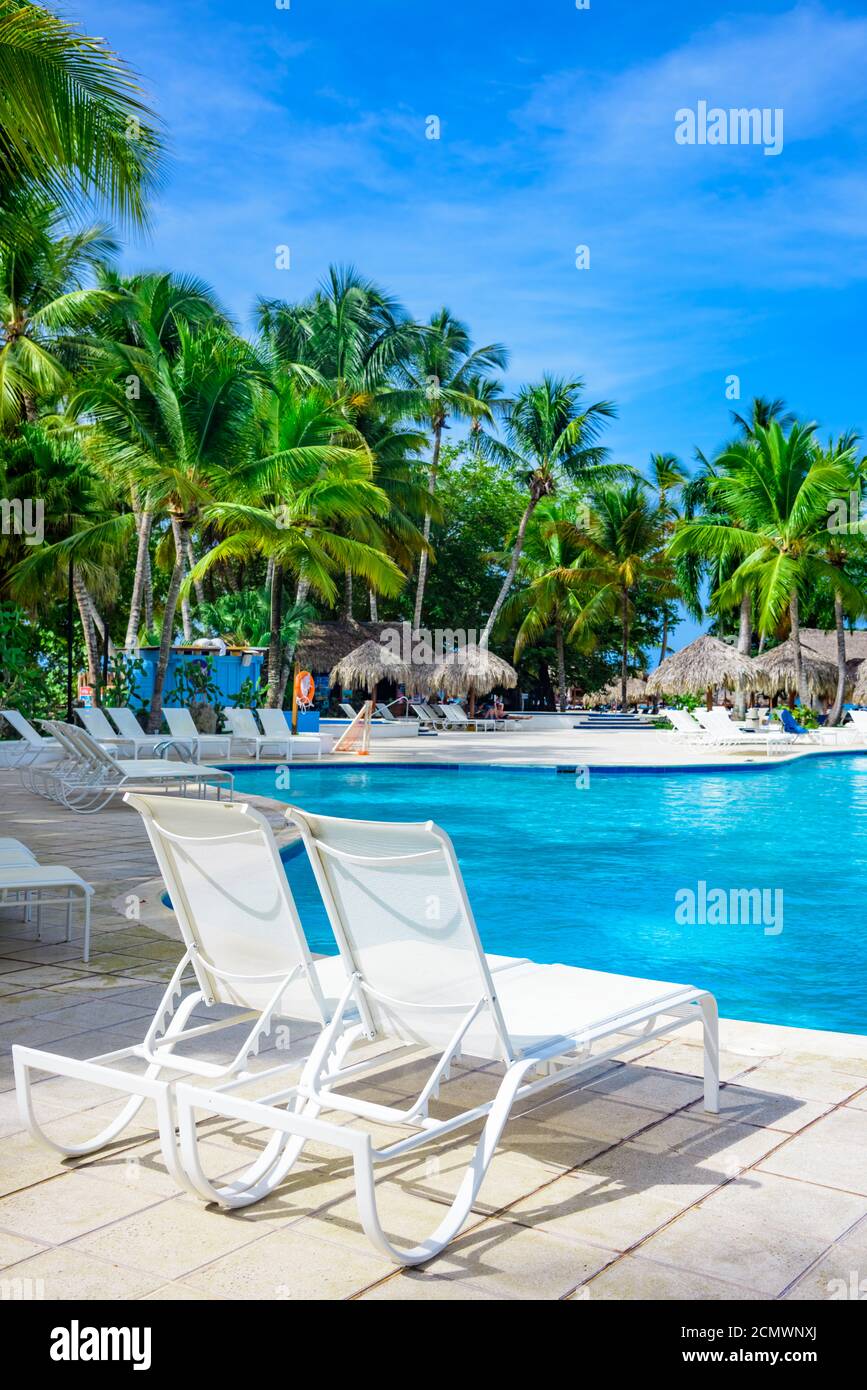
x,y
467,1192
710,1022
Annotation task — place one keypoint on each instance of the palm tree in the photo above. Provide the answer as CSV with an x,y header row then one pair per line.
x,y
621,539
667,476
549,598
72,122
177,438
840,545
763,413
146,312
315,481
775,491
44,303
445,379
549,435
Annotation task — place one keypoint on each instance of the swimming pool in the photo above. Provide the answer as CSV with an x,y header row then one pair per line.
x,y
600,875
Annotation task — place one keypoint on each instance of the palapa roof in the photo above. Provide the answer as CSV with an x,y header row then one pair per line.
x,y
635,690
820,674
367,665
322,645
472,669
707,663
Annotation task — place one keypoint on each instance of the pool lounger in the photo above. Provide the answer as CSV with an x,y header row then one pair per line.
x,y
243,949
416,975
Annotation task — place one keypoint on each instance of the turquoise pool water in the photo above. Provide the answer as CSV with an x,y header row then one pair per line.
x,y
591,876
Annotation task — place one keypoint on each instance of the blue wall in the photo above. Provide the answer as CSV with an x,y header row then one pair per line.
x,y
229,672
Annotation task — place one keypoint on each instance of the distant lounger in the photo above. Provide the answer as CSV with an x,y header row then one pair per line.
x,y
184,731
89,777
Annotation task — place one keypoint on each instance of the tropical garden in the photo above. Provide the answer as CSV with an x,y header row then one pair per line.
x,y
338,460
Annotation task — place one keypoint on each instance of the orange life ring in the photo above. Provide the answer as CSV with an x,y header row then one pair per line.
x,y
305,687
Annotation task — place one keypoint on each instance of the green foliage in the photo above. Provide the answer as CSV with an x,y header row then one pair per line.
x,y
481,507
125,676
195,684
32,666
251,694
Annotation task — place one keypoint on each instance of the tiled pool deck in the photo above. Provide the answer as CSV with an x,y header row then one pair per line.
x,y
626,1189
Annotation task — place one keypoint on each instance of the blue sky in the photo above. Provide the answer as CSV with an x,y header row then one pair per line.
x,y
306,127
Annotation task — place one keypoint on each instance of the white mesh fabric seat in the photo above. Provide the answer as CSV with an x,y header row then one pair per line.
x,y
184,731
418,976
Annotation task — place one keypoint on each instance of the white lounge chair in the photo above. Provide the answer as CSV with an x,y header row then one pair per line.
x,y
184,731
721,732
128,726
244,948
422,980
456,716
683,723
859,721
245,730
30,747
347,709
275,725
46,885
427,717
92,776
14,852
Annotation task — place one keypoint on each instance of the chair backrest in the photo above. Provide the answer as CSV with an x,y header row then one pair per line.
x,y
125,720
455,714
274,723
348,710
180,722
96,724
385,713
231,896
242,723
400,914
85,746
683,721
21,726
790,723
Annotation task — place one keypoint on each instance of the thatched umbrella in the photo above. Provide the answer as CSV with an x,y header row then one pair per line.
x,y
472,671
706,664
778,664
366,666
636,687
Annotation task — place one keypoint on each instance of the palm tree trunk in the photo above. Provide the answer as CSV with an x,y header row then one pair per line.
x,y
374,618
141,578
85,613
289,652
745,641
664,647
155,718
275,644
839,624
422,559
198,586
624,650
512,571
347,594
561,665
794,616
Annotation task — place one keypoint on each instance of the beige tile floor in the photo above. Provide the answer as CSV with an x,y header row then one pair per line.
x,y
625,1189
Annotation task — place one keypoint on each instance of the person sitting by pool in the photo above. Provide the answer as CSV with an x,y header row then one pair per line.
x,y
495,709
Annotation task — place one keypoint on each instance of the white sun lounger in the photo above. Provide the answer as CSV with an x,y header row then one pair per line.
x,y
90,778
244,948
30,747
457,716
419,977
245,730
427,716
275,725
15,852
720,732
348,710
46,885
184,731
128,727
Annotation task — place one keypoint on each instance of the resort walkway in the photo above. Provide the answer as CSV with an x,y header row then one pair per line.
x,y
625,1189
